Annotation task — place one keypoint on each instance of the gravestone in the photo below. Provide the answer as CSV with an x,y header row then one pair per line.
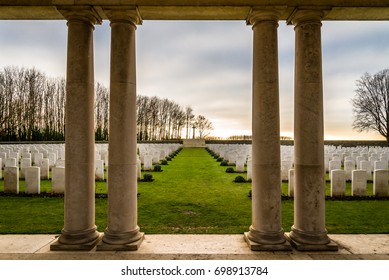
x,y
44,168
380,183
240,161
24,163
11,179
380,165
148,164
291,182
286,165
52,159
10,162
334,165
58,180
338,182
349,166
37,158
60,163
249,169
359,183
366,165
33,180
99,170
3,157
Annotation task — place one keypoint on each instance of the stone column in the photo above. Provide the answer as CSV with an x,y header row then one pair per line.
x,y
266,232
79,232
308,231
122,232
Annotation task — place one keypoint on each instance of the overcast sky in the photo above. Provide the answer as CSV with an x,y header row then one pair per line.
x,y
208,65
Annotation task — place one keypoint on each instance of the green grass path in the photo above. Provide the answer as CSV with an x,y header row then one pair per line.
x,y
194,194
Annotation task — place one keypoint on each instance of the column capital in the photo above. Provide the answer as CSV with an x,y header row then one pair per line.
x,y
128,14
307,14
84,13
258,14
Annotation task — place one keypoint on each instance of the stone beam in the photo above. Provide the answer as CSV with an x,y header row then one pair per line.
x,y
196,10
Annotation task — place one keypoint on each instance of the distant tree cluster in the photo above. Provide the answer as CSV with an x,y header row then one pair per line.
x,y
240,137
32,108
163,119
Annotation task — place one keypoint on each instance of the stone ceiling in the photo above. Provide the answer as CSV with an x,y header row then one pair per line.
x,y
198,9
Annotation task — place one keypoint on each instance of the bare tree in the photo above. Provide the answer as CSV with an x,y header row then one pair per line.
x,y
371,103
188,120
203,126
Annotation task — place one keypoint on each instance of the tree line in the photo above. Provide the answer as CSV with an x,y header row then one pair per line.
x,y
32,108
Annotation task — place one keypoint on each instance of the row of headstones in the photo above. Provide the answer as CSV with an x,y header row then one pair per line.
x,y
358,183
349,165
47,156
33,179
151,154
235,154
33,174
353,170
29,155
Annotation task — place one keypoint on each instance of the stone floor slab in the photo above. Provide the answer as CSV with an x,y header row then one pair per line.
x,y
194,247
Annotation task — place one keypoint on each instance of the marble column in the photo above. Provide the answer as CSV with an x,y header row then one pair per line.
x,y
266,232
309,232
79,232
122,232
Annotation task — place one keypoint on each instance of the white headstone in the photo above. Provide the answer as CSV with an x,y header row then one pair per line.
x,y
33,180
291,182
138,168
148,164
249,169
240,161
14,155
3,157
37,158
60,163
24,163
333,165
26,155
349,166
380,165
44,168
338,182
99,170
58,180
380,183
52,159
9,162
359,183
286,165
11,179
366,165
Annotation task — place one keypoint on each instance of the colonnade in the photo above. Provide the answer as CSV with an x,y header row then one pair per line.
x,y
266,232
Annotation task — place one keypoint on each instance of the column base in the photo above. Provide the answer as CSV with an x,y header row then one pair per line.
x,y
255,246
305,241
87,246
133,246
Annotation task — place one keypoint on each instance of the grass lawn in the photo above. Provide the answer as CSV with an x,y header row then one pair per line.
x,y
193,194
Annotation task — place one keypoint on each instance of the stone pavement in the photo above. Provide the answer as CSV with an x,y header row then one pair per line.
x,y
195,247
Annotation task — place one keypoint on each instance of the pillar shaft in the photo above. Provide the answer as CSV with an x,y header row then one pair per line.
x,y
309,202
122,168
266,229
79,216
